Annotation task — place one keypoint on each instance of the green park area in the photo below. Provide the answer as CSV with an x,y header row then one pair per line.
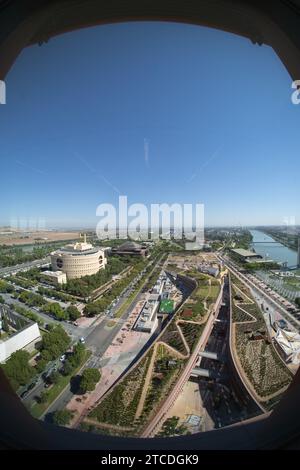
x,y
263,367
202,298
136,398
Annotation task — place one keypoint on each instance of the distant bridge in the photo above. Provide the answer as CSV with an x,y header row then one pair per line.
x,y
267,241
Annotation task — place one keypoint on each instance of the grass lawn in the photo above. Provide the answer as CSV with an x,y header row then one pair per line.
x,y
214,292
202,292
39,408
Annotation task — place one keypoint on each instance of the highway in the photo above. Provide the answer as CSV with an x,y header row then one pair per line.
x,y
24,266
267,295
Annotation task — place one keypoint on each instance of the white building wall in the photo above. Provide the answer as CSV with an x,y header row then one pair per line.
x,y
78,265
19,341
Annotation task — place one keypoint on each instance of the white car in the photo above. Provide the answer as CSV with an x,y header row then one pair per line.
x,y
82,340
62,358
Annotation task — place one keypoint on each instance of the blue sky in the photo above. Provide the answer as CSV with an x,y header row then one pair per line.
x,y
160,112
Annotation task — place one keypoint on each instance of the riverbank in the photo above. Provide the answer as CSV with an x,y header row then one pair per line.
x,y
269,248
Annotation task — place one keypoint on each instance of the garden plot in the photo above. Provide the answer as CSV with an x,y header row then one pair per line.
x,y
261,364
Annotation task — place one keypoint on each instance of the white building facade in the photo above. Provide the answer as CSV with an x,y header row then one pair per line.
x,y
25,336
78,260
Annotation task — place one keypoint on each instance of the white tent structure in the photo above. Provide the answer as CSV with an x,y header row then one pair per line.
x,y
289,342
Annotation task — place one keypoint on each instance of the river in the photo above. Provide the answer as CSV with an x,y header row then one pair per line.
x,y
269,248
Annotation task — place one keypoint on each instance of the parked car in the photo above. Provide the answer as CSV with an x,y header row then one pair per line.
x,y
82,340
31,386
62,358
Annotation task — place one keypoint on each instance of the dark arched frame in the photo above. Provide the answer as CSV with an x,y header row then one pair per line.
x,y
275,23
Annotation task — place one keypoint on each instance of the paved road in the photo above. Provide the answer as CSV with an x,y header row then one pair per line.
x,y
75,332
268,296
19,267
97,341
40,384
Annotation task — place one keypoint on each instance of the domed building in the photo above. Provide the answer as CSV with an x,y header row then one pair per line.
x,y
78,259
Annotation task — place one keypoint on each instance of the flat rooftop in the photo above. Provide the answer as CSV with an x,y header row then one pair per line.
x,y
245,253
52,273
71,252
166,306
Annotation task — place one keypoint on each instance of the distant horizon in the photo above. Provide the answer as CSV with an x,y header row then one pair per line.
x,y
89,228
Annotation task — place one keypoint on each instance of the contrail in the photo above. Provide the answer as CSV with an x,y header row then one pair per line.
x,y
204,165
31,168
146,152
92,170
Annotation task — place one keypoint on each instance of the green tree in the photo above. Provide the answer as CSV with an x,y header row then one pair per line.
x,y
41,364
55,342
68,368
89,379
44,396
5,286
92,309
74,359
46,355
56,310
5,325
54,377
18,369
172,428
2,301
72,312
62,417
297,301
78,354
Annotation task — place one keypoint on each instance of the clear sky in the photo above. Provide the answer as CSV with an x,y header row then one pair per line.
x,y
160,112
